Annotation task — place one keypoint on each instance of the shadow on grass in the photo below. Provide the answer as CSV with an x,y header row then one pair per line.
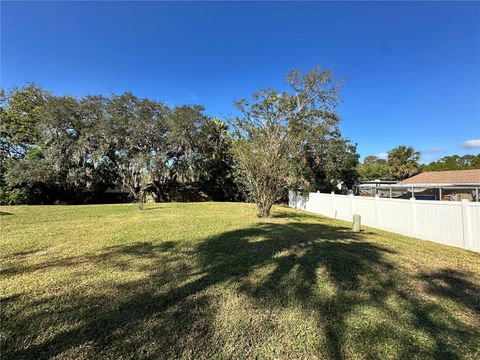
x,y
170,311
4,213
453,285
285,213
153,208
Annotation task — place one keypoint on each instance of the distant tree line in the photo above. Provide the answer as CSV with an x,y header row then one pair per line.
x,y
60,149
403,162
96,149
63,149
454,162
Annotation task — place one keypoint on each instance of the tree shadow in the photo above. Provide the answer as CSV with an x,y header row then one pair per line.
x,y
22,254
4,213
139,317
455,286
335,276
153,208
285,213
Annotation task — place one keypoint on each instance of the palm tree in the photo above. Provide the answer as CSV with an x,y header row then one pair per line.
x,y
403,162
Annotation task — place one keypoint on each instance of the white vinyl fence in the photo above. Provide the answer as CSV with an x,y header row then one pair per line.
x,y
446,222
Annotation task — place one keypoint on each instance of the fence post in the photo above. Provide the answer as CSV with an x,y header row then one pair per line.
x,y
377,225
413,217
465,224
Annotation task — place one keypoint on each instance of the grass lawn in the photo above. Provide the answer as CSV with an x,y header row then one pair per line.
x,y
210,280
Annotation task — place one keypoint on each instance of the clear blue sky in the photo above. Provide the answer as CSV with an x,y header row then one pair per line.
x,y
412,70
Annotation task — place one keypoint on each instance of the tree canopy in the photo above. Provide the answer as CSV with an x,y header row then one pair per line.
x,y
64,149
454,162
93,149
374,168
403,162
291,138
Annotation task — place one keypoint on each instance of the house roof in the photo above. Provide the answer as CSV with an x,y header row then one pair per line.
x,y
453,177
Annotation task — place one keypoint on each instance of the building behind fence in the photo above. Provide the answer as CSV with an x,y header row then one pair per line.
x,y
451,185
454,223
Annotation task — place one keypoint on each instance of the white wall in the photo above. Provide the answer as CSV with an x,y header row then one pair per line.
x,y
446,222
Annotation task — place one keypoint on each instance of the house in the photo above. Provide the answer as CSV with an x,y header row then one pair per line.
x,y
452,185
368,188
445,185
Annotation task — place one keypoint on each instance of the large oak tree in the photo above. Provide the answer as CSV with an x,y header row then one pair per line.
x,y
290,138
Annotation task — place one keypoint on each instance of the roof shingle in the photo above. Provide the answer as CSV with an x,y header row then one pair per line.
x,y
453,177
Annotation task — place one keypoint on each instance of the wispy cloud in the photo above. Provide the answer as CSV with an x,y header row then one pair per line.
x,y
435,150
382,155
471,144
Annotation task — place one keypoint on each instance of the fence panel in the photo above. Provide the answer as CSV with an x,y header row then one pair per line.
x,y
365,206
326,204
440,221
319,203
395,216
444,222
474,227
343,207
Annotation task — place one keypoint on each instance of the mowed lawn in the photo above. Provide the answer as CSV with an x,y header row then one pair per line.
x,y
212,281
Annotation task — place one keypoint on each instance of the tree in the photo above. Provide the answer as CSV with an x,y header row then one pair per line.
x,y
136,132
402,162
328,160
274,132
454,162
69,150
18,135
19,119
62,160
181,160
216,175
374,168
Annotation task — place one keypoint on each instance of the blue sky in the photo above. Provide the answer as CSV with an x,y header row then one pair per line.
x,y
411,70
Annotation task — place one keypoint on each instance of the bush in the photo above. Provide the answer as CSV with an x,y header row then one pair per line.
x,y
13,196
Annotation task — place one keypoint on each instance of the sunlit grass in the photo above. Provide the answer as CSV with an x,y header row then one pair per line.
x,y
211,280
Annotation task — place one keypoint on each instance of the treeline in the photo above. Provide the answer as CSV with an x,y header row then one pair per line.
x,y
403,162
454,162
60,149
96,149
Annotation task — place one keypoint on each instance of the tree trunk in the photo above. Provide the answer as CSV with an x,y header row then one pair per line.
x,y
161,192
141,200
263,210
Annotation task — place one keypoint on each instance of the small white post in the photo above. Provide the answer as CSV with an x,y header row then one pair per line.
x,y
377,224
356,223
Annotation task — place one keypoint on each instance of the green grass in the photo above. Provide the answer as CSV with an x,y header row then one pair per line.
x,y
210,280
